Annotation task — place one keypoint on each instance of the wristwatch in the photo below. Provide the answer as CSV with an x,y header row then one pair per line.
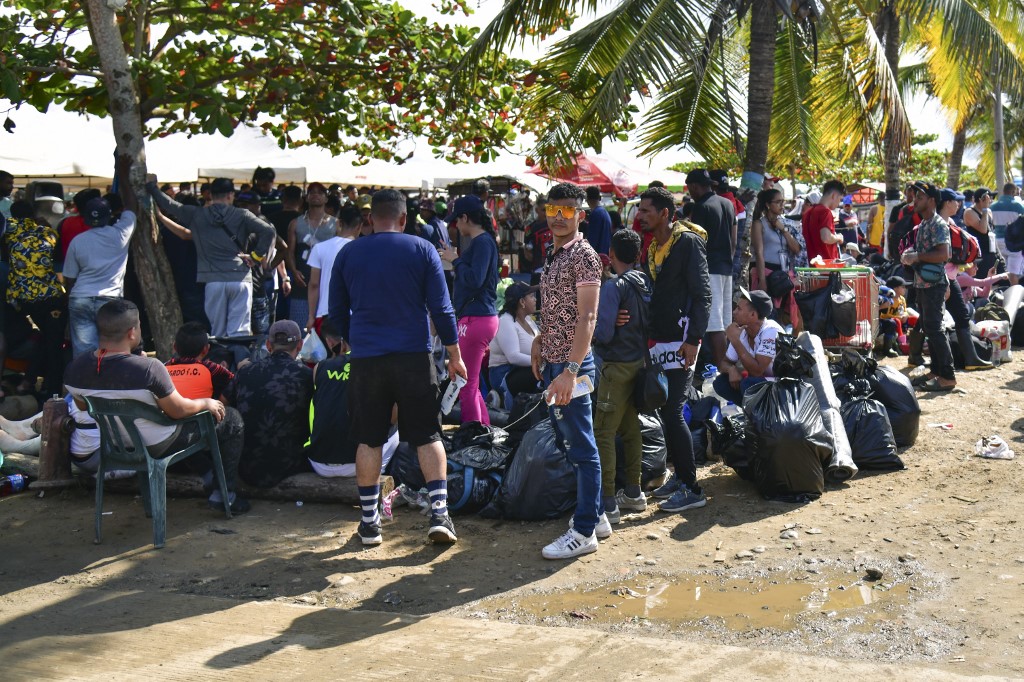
x,y
573,368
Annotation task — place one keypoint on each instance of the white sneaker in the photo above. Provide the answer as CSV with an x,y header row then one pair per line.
x,y
570,545
603,530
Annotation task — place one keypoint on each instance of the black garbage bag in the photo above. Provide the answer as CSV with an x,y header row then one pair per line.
x,y
842,307
701,409
539,483
469,489
789,447
896,393
405,467
653,461
498,416
479,446
527,410
729,441
791,361
867,426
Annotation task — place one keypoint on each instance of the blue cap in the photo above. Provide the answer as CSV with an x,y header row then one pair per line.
x,y
96,213
848,199
947,194
467,204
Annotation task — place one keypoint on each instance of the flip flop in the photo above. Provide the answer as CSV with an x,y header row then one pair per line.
x,y
934,386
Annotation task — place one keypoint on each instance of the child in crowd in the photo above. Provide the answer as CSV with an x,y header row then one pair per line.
x,y
892,317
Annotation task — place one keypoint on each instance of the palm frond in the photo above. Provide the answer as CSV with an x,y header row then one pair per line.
x,y
584,92
793,131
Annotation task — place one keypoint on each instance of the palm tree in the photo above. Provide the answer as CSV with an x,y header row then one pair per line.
x,y
699,62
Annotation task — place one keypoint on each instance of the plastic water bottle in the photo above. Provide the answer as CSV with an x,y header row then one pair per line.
x,y
864,333
14,483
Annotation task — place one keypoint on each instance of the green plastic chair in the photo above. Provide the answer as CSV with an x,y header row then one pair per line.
x,y
116,453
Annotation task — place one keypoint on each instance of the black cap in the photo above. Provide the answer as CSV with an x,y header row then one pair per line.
x,y
761,301
515,292
222,186
699,176
96,213
895,281
720,178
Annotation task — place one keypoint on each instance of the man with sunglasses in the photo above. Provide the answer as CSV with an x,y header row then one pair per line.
x,y
561,358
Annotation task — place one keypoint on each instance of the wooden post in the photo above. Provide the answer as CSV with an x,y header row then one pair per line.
x,y
54,446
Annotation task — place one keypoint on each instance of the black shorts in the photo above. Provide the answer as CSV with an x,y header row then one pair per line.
x,y
408,380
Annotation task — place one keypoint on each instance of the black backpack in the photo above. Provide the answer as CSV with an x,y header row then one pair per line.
x,y
1015,235
903,227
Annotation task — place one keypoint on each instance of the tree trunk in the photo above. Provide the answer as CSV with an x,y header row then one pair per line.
x,y
892,152
152,268
764,28
956,157
999,143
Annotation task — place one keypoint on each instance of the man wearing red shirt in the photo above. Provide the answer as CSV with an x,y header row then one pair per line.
x,y
819,223
74,225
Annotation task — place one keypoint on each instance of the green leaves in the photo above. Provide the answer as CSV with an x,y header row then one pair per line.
x,y
358,75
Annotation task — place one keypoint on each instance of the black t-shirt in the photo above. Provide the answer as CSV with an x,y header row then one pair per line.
x,y
282,219
329,443
716,215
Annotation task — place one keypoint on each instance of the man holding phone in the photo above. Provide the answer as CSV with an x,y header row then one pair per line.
x,y
561,358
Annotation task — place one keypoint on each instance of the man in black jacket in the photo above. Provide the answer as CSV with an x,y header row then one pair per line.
x,y
680,308
717,216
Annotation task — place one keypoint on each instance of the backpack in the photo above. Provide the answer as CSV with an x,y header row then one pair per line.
x,y
898,236
963,246
1015,235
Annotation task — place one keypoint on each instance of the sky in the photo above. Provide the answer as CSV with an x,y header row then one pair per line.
x,y
62,142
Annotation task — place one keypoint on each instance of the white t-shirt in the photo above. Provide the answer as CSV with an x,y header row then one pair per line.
x,y
512,344
764,344
322,257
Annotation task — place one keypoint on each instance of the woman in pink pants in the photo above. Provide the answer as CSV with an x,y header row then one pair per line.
x,y
476,295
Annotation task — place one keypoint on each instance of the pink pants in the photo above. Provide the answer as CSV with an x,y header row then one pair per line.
x,y
475,335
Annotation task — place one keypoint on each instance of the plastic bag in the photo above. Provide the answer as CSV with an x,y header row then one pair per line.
x,y
540,483
789,447
993,447
791,361
729,442
867,426
313,349
479,446
840,467
896,393
842,307
653,461
814,309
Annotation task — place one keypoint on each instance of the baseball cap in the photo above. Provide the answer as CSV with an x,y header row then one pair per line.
x,y
814,197
440,208
428,205
284,331
699,176
895,281
222,186
852,248
96,213
981,192
515,292
720,178
947,194
761,301
364,201
848,200
772,178
928,188
316,187
247,198
467,204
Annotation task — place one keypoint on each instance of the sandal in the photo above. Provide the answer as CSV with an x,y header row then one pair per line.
x,y
934,386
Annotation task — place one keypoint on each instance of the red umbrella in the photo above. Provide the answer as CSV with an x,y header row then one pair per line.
x,y
610,176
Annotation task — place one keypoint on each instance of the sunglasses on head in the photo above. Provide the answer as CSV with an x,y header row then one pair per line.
x,y
568,212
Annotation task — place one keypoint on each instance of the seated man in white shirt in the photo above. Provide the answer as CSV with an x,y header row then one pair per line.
x,y
748,360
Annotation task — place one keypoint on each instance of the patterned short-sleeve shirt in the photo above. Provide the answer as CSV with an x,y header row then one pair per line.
x,y
930,233
32,276
574,265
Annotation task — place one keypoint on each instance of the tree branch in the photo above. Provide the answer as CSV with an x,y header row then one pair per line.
x,y
60,69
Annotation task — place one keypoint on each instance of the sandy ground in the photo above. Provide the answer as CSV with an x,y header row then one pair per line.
x,y
944,533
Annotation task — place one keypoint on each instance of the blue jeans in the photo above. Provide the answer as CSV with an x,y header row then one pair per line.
x,y
574,434
496,378
82,313
725,389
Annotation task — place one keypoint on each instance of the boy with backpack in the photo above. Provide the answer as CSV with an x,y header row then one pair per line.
x,y
622,351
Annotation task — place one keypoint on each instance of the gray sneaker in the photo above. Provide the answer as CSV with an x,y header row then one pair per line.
x,y
683,499
623,501
669,489
613,515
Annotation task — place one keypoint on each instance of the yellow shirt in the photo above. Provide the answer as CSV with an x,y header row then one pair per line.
x,y
877,227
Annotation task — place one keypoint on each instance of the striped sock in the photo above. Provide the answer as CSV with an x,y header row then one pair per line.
x,y
368,495
438,491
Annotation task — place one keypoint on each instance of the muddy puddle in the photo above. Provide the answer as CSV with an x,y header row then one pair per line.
x,y
739,604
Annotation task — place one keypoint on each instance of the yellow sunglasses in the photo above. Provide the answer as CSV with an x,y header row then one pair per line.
x,y
568,212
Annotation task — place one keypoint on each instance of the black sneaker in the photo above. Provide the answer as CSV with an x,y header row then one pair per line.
x,y
441,529
369,533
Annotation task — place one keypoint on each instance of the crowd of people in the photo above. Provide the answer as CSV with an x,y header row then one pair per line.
x,y
384,281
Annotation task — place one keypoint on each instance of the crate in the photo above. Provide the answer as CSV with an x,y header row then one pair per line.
x,y
865,286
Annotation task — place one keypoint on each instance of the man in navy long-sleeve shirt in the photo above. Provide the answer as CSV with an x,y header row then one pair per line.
x,y
599,223
384,286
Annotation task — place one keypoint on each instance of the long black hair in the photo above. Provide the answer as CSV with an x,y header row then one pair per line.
x,y
764,197
484,219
